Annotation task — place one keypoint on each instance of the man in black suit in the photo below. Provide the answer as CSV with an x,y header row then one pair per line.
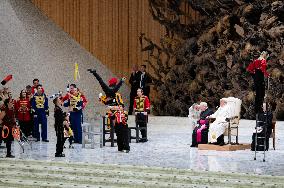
x,y
134,82
145,80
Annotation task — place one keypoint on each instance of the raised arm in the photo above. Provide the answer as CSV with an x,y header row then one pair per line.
x,y
105,88
116,88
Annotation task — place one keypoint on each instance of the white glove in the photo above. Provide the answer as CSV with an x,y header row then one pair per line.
x,y
100,95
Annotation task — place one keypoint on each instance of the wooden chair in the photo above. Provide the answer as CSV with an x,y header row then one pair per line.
x,y
234,119
273,133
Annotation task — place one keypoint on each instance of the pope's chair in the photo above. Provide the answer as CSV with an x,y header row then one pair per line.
x,y
234,119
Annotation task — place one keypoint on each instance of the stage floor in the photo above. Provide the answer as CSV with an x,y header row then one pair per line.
x,y
168,146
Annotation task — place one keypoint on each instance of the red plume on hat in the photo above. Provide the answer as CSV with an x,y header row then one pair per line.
x,y
6,79
112,81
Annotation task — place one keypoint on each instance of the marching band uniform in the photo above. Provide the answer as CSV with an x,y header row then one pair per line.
x,y
113,87
34,90
84,100
142,108
75,104
40,112
9,121
68,133
23,109
121,129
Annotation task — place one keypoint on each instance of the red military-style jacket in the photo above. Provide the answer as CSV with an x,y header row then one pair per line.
x,y
120,117
83,97
34,90
23,109
9,118
141,104
260,64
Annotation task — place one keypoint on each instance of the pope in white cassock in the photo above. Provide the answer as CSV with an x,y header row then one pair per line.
x,y
218,127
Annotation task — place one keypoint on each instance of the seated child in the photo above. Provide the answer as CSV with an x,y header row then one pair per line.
x,y
68,133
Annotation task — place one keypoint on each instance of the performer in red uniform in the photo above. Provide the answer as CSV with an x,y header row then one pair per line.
x,y
112,88
121,129
35,84
8,121
258,70
70,93
23,109
75,106
142,109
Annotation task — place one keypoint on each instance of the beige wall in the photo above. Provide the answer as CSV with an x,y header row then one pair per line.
x,y
109,29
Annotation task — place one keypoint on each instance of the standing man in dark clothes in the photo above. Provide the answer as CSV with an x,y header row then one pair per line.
x,y
257,68
134,82
145,80
59,128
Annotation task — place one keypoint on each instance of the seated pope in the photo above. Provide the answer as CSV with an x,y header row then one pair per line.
x,y
200,132
218,127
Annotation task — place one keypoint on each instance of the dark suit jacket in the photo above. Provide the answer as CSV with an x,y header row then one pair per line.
x,y
145,83
204,114
134,81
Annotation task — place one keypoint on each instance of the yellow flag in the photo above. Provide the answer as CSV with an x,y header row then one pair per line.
x,y
76,72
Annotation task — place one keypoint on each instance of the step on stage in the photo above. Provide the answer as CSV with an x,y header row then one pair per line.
x,y
227,147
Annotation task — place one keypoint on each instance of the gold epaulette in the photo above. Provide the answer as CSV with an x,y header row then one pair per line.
x,y
103,99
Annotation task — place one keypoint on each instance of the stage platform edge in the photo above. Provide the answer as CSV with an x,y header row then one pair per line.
x,y
227,147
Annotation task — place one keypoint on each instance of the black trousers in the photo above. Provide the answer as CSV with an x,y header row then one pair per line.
x,y
122,135
1,135
60,141
26,127
220,139
133,94
8,140
8,146
259,86
142,122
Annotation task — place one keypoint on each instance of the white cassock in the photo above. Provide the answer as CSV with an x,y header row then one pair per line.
x,y
218,127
